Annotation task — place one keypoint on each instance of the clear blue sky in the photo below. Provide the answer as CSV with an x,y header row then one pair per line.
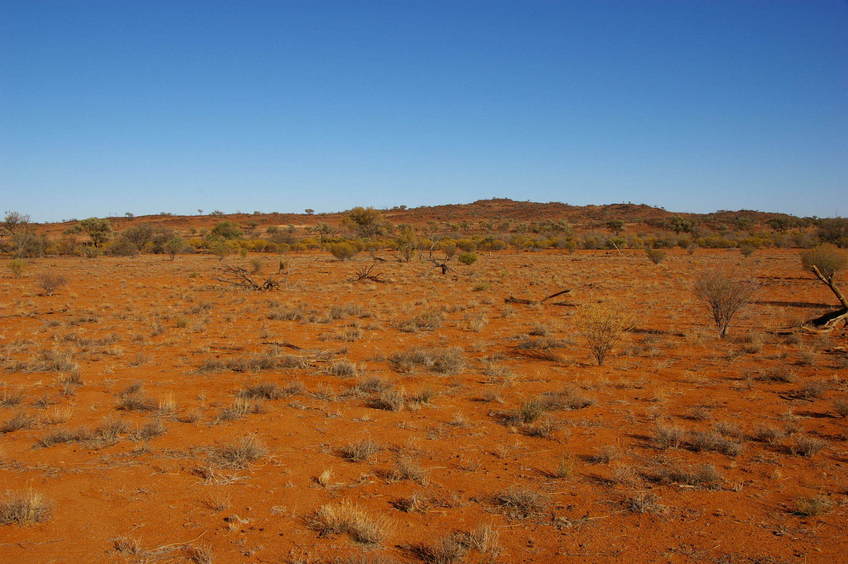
x,y
147,106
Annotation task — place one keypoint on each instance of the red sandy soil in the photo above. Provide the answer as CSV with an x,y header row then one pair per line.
x,y
150,321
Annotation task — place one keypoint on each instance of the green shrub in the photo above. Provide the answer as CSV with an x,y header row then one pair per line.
x,y
467,258
343,250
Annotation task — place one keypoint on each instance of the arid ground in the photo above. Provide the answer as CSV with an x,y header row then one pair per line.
x,y
151,413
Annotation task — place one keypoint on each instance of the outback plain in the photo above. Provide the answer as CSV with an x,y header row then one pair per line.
x,y
537,403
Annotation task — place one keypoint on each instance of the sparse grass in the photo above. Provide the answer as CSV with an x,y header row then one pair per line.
x,y
135,401
425,321
644,502
23,508
709,440
343,369
521,503
666,437
705,476
408,469
778,374
347,518
239,454
361,451
841,408
102,436
264,390
439,360
812,506
19,421
805,445
389,400
255,363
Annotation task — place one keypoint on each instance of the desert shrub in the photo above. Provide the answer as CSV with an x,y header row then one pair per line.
x,y
602,326
122,247
16,267
23,508
668,437
226,230
347,518
827,259
703,476
361,451
49,282
806,446
467,258
521,503
390,400
444,361
240,453
342,250
265,390
343,368
812,506
426,321
724,296
656,256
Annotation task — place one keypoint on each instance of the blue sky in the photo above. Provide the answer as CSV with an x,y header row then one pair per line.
x,y
108,107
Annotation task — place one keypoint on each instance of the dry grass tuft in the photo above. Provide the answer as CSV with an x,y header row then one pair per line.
x,y
521,503
240,453
23,508
347,518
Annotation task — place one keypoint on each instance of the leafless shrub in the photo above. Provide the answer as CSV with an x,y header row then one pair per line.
x,y
49,282
602,326
666,437
804,445
724,296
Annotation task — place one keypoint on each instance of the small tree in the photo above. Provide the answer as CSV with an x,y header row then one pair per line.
x,y
724,296
367,222
825,261
98,230
602,326
174,246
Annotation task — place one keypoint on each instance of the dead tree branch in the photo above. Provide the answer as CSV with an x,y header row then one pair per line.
x,y
239,277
